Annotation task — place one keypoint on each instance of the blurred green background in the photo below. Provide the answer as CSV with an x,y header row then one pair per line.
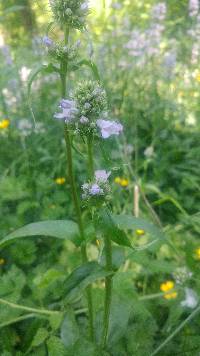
x,y
150,67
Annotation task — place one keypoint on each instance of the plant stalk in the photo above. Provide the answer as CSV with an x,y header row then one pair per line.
x,y
63,75
90,157
108,289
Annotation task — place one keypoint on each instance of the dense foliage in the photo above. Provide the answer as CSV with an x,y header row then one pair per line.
x,y
142,59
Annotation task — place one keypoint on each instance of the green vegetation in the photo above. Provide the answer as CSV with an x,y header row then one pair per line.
x,y
102,262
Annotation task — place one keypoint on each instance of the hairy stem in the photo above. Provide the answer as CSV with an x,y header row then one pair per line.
x,y
22,307
108,289
63,75
90,157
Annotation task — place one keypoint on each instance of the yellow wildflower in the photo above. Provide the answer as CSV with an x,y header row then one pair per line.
x,y
60,180
197,252
98,243
2,261
198,77
180,94
122,181
117,180
140,232
167,286
4,124
171,295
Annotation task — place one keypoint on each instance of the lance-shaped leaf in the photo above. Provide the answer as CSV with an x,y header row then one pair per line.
x,y
89,64
129,222
43,69
108,227
82,276
61,229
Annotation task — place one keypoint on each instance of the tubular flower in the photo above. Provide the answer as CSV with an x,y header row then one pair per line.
x,y
98,189
109,128
168,287
4,124
85,108
69,111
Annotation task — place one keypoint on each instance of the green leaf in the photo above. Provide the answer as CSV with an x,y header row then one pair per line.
x,y
82,276
118,257
55,321
39,337
61,229
55,347
43,69
12,9
89,64
129,222
69,329
109,227
119,317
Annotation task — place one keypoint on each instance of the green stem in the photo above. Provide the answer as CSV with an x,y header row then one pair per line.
x,y
33,310
90,157
176,331
108,289
63,75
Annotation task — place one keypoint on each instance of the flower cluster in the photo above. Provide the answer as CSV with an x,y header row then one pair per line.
x,y
193,7
69,12
98,190
168,288
69,111
146,44
91,103
86,112
7,54
59,51
159,11
181,275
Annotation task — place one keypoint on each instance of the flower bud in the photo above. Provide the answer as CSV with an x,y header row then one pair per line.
x,y
69,12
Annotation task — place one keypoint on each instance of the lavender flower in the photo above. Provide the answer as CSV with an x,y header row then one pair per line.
x,y
191,299
96,190
47,41
193,7
7,55
109,128
84,120
102,176
159,11
84,6
69,111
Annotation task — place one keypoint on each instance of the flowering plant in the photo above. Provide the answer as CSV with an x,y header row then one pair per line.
x,y
93,302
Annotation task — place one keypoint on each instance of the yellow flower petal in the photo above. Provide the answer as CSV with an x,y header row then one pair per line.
x,y
124,182
117,180
140,232
60,180
2,261
4,124
167,286
171,295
